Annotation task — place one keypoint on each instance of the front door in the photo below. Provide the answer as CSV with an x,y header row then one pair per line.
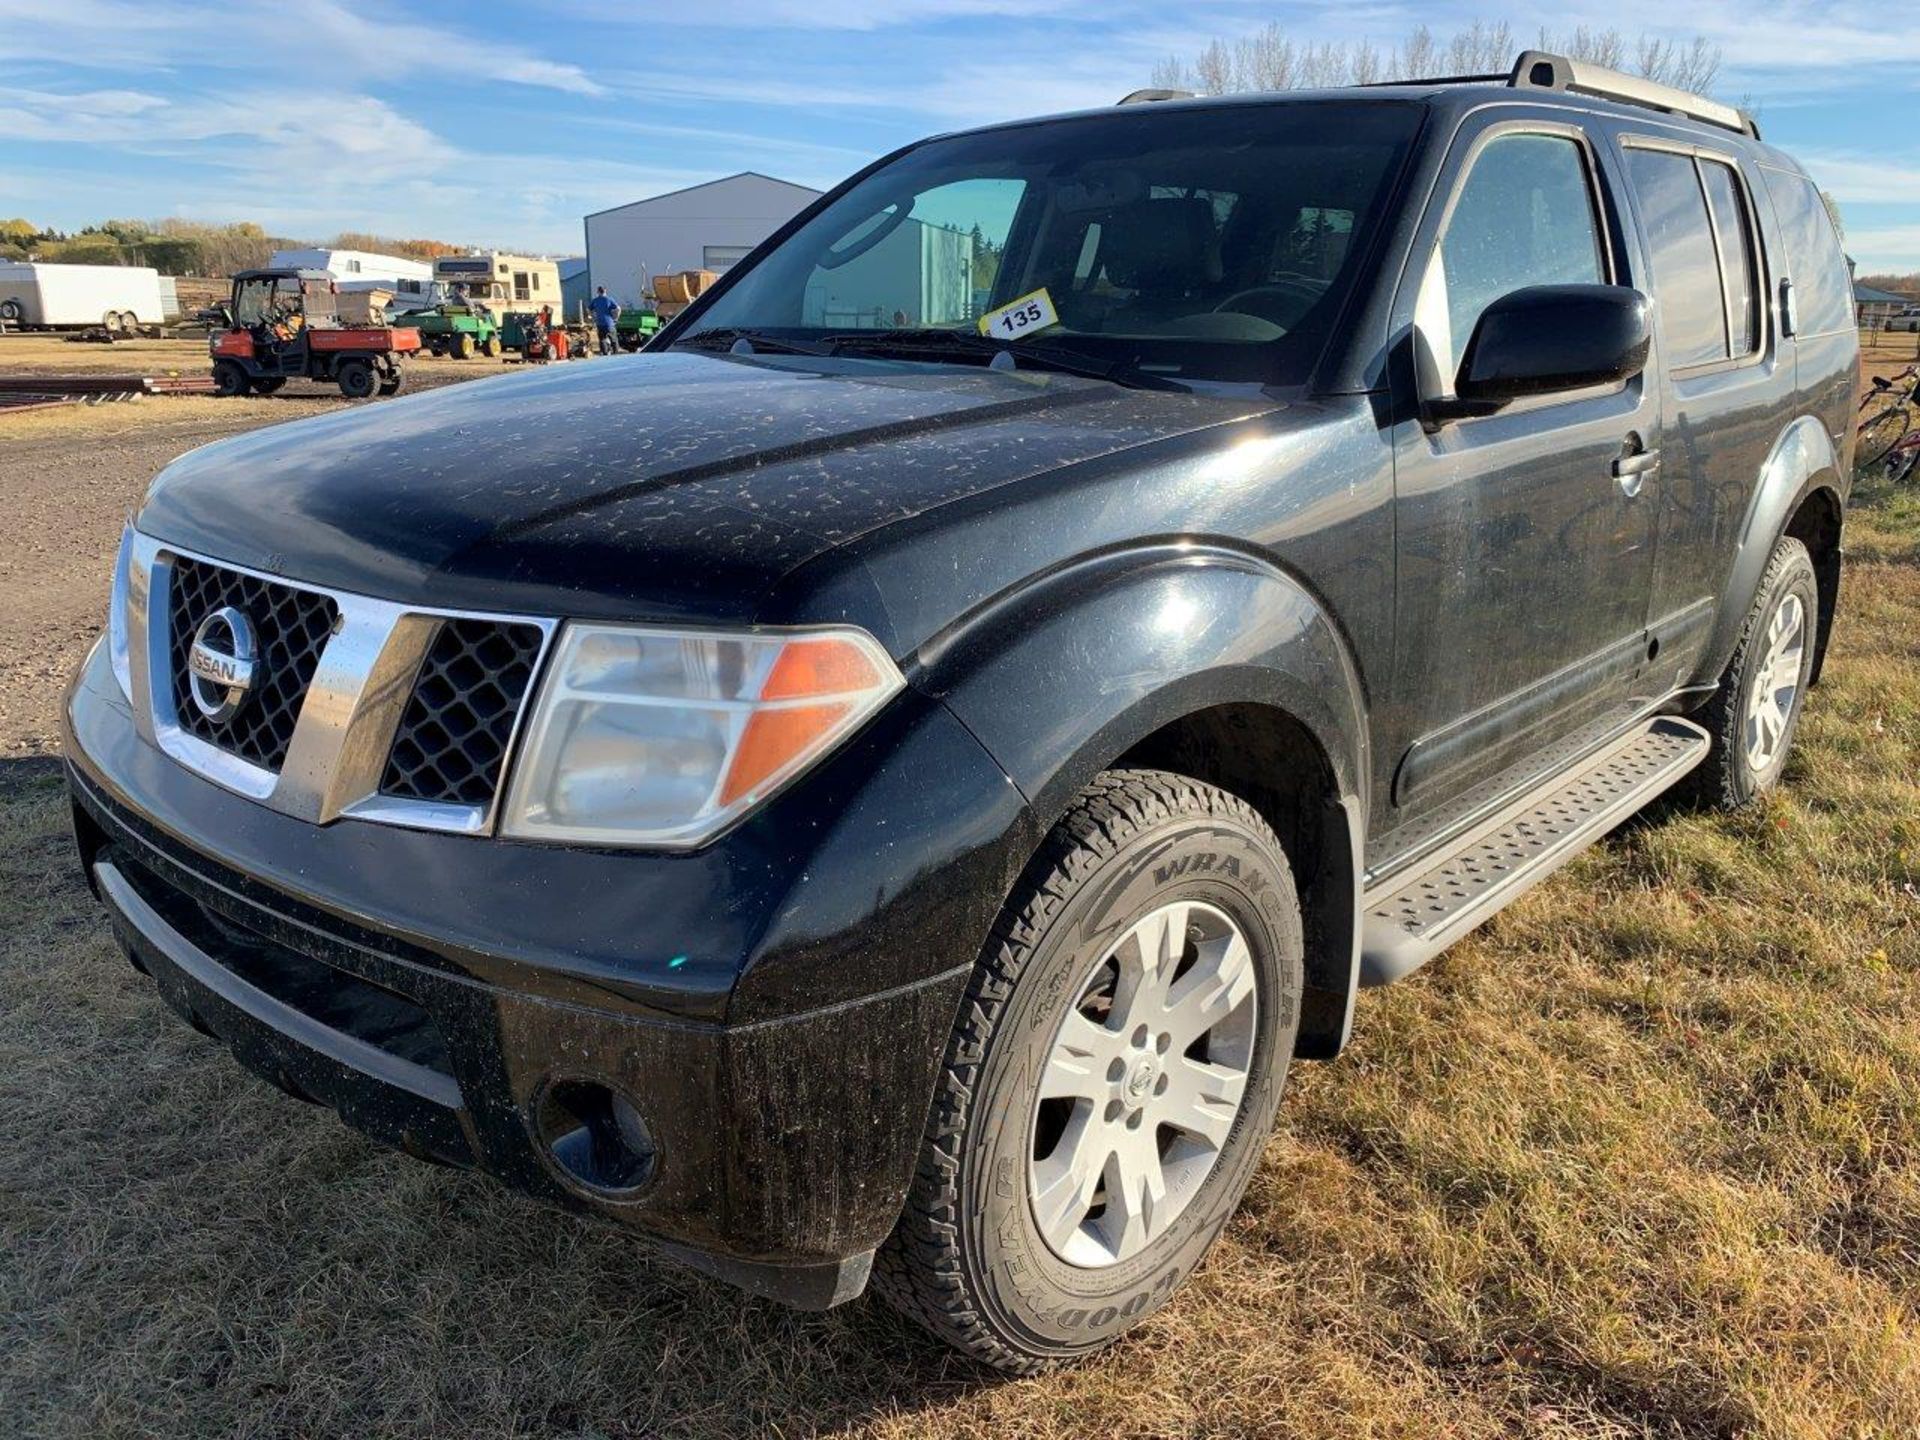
x,y
1524,547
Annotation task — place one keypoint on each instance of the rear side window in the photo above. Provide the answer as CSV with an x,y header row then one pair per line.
x,y
1687,283
1822,291
1732,230
1524,217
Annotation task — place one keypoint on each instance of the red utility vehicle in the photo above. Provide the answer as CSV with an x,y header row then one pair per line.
x,y
283,324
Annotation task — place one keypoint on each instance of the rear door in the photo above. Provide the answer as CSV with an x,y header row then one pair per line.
x,y
1524,561
1728,381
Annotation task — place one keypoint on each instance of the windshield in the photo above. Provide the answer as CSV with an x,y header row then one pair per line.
x,y
1189,244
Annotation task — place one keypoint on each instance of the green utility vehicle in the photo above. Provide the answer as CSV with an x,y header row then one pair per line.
x,y
634,327
455,329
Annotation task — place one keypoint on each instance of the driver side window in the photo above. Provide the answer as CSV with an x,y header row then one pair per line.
x,y
1524,216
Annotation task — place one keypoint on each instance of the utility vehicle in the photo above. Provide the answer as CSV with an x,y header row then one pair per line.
x,y
280,324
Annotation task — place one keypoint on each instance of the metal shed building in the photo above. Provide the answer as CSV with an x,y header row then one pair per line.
x,y
704,227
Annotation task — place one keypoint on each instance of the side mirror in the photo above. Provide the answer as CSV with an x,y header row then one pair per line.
x,y
1549,338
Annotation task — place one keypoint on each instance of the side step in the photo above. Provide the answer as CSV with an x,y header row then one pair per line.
x,y
1412,918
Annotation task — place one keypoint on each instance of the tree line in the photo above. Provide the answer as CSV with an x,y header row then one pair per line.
x,y
1270,59
1908,284
185,247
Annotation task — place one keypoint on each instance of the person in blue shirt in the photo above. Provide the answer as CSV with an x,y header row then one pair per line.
x,y
605,310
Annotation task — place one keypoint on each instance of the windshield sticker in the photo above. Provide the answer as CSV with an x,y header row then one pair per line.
x,y
1031,312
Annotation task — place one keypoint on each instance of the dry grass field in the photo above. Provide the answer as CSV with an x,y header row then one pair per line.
x,y
1641,1158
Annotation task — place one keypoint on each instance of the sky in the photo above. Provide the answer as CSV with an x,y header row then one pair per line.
x,y
490,123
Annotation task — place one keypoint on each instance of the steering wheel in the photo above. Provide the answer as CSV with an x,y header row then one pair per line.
x,y
1281,301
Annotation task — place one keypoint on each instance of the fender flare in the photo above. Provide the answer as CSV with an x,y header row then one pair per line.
x,y
1070,671
1803,460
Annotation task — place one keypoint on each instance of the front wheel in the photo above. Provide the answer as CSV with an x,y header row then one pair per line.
x,y
355,379
490,347
1115,1070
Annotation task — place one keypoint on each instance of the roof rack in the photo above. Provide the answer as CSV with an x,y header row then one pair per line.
x,y
1543,70
1540,70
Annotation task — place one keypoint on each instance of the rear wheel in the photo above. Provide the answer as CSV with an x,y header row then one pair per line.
x,y
1879,435
230,378
462,346
1112,1078
1753,715
355,378
270,384
391,382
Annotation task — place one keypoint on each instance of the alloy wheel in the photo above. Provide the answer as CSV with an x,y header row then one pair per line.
x,y
1776,688
1143,1083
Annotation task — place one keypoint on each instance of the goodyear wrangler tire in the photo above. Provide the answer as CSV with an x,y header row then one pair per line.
x,y
1113,1074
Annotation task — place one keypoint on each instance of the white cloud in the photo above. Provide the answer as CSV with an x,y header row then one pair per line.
x,y
1889,249
323,34
1862,179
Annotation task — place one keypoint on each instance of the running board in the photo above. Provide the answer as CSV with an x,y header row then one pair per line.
x,y
1410,919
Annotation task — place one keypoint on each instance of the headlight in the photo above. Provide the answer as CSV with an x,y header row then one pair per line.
x,y
117,614
664,737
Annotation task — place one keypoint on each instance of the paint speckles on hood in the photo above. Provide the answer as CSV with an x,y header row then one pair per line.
x,y
673,484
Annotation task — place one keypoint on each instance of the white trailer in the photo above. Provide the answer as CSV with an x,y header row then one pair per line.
x,y
68,297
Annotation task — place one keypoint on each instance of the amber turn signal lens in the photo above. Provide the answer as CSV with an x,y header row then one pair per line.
x,y
810,669
773,740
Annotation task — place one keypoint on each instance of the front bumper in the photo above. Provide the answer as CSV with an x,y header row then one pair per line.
x,y
439,990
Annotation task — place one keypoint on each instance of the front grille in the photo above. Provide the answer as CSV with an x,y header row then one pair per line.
x,y
291,629
452,738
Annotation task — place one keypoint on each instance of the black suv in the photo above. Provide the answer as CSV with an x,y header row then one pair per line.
x,y
889,797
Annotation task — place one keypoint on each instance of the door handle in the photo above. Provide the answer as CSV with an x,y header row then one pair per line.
x,y
1638,462
1633,464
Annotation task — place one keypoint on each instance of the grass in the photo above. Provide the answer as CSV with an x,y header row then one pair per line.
x,y
1640,1158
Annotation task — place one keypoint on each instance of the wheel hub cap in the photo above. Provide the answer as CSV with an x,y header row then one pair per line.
x,y
1143,1083
1776,688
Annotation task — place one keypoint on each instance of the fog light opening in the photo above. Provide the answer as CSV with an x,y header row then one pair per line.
x,y
595,1138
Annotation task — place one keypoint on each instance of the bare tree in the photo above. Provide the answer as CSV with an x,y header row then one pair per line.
x,y
1268,59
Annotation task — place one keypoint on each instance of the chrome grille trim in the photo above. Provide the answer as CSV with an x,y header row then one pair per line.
x,y
346,724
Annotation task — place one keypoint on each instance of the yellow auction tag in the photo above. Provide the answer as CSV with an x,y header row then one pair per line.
x,y
1029,313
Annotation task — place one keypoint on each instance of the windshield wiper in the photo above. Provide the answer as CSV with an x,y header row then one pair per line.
x,y
1037,354
725,337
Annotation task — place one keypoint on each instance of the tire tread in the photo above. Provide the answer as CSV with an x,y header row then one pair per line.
x,y
920,1270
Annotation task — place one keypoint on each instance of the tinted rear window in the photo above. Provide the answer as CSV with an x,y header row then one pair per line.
x,y
1822,291
1686,266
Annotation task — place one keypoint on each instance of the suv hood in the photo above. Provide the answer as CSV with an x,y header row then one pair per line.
x,y
652,486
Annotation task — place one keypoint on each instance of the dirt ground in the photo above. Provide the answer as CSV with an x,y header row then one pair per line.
x,y
70,475
1641,1158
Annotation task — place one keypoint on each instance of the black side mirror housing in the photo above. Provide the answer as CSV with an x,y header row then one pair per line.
x,y
1545,339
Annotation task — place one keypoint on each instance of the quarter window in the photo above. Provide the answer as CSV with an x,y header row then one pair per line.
x,y
1525,216
1822,295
